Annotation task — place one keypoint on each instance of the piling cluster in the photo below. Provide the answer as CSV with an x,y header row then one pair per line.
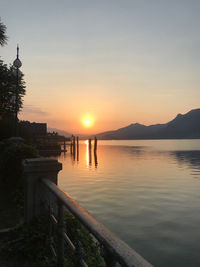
x,y
74,148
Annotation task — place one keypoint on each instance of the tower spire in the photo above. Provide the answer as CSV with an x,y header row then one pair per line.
x,y
17,63
17,51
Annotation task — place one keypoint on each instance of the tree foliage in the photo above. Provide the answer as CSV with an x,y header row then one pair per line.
x,y
3,36
8,105
12,90
8,90
12,153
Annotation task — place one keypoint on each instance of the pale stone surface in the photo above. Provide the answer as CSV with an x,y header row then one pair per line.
x,y
34,170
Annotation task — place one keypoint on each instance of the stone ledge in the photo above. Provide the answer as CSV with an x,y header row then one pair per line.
x,y
41,165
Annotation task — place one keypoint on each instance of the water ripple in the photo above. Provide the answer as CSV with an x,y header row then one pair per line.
x,y
147,192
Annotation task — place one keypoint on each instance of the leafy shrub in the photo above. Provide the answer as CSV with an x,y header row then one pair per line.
x,y
28,244
12,152
79,235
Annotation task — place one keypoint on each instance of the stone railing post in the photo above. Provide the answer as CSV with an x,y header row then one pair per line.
x,y
34,170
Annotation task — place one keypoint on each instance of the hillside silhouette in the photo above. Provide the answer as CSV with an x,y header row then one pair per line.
x,y
185,126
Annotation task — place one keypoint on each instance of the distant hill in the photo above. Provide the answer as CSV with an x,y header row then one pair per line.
x,y
60,132
185,126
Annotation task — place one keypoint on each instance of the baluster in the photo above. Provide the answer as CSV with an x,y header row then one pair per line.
x,y
50,226
108,258
51,232
60,259
79,255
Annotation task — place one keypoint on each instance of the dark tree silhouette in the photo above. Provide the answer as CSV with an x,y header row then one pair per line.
x,y
8,90
7,99
3,36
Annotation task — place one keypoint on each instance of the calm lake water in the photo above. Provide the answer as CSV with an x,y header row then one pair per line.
x,y
147,192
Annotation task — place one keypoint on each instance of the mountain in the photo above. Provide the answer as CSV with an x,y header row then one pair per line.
x,y
60,132
185,126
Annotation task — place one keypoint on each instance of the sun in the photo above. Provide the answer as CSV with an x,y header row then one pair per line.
x,y
87,122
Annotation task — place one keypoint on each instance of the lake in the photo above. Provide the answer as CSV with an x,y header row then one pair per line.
x,y
147,192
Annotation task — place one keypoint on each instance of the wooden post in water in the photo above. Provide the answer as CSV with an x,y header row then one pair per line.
x,y
95,144
64,146
77,148
71,146
90,151
74,146
95,159
95,152
90,144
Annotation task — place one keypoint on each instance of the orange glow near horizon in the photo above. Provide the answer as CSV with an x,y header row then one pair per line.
x,y
100,73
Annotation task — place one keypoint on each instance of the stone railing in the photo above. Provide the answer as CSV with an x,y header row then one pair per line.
x,y
43,196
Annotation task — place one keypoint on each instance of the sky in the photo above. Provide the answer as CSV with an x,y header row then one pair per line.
x,y
113,62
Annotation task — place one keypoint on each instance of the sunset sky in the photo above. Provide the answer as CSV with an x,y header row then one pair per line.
x,y
113,62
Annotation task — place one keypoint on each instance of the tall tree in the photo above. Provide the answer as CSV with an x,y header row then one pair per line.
x,y
8,87
3,36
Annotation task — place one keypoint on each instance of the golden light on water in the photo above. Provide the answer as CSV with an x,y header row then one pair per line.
x,y
89,154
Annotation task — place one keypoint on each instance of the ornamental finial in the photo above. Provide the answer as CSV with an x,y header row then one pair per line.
x,y
17,63
17,51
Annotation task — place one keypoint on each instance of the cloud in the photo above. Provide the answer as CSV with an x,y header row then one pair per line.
x,y
34,110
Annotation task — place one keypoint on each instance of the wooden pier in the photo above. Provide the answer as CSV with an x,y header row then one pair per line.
x,y
51,143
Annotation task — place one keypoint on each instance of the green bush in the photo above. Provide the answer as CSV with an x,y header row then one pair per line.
x,y
6,126
28,244
79,235
12,152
